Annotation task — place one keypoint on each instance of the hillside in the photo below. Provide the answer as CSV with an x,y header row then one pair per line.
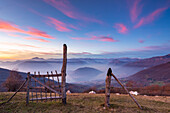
x,y
149,62
4,73
159,73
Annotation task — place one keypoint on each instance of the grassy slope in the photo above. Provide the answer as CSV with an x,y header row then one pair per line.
x,y
86,103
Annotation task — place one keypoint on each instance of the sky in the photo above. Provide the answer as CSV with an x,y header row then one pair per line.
x,y
90,28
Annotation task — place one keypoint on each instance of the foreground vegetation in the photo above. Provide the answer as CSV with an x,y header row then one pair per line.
x,y
86,103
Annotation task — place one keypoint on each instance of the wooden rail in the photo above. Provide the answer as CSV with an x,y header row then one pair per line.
x,y
50,75
45,85
44,98
126,91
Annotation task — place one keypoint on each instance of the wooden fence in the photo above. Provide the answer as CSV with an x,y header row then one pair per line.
x,y
107,89
45,87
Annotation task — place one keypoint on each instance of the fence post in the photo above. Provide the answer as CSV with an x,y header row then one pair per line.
x,y
28,87
107,88
63,72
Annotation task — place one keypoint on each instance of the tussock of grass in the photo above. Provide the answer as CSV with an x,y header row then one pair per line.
x,y
84,103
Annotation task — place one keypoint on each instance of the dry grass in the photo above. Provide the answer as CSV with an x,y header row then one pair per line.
x,y
86,103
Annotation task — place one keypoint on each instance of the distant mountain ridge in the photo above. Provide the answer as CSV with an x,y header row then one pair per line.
x,y
149,62
122,61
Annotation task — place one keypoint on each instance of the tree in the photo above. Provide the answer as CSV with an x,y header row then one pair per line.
x,y
14,81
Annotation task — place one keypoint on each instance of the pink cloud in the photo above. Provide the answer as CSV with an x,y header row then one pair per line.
x,y
19,44
48,53
28,38
141,41
6,26
74,27
146,48
99,38
9,27
82,53
38,39
121,28
36,32
79,38
60,26
103,38
151,17
135,10
14,35
67,9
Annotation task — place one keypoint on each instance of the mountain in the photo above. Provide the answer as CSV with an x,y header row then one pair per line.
x,y
85,73
37,58
152,75
122,61
149,62
33,65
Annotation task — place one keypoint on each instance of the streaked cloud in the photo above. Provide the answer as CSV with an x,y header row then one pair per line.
x,y
6,26
10,27
28,38
141,41
148,48
80,38
38,39
74,27
135,10
15,35
36,32
60,26
99,38
151,17
121,28
69,10
79,53
103,38
141,52
19,45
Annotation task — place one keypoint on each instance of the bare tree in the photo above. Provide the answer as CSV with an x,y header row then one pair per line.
x,y
14,81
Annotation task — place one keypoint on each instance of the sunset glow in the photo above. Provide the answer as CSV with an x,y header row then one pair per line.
x,y
90,28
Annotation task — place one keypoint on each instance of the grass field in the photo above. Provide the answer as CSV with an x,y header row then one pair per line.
x,y
86,103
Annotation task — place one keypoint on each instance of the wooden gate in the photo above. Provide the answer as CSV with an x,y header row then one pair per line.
x,y
48,86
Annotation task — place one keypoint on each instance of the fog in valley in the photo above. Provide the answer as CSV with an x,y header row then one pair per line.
x,y
78,70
